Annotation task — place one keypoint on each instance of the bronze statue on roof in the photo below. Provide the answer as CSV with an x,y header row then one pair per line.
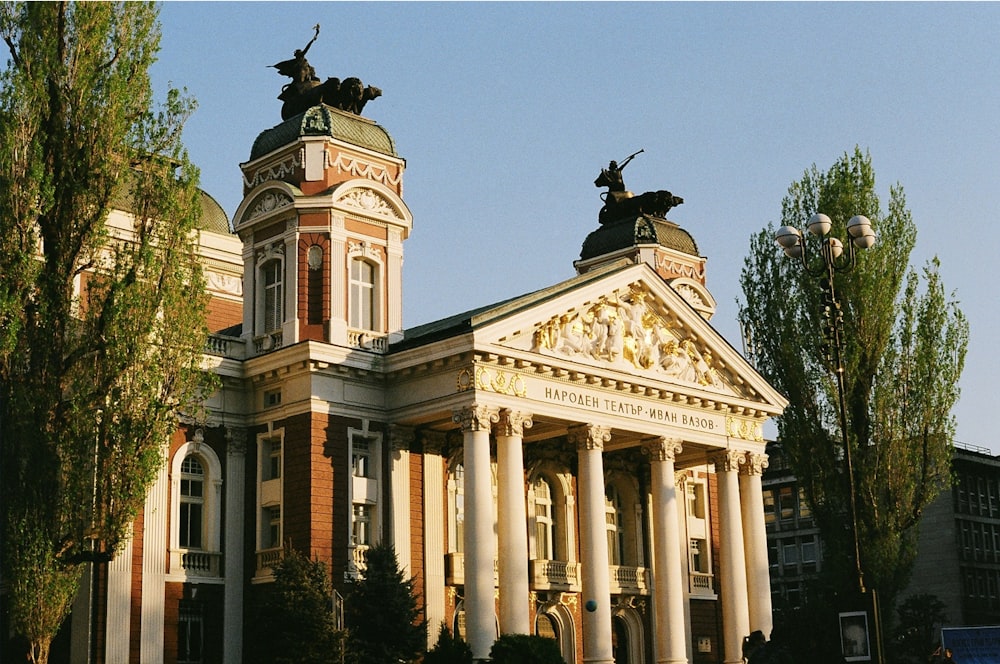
x,y
620,203
306,90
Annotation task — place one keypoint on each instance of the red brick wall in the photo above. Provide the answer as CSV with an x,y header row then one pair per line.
x,y
223,313
313,288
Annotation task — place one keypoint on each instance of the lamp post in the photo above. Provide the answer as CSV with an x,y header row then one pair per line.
x,y
836,260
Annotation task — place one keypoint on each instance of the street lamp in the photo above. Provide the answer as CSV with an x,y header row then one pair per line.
x,y
835,260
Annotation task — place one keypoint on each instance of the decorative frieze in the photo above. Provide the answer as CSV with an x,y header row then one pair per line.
x,y
364,169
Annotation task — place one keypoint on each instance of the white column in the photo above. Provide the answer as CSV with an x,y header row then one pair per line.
x,y
433,505
589,441
290,328
512,531
394,284
480,544
684,550
668,579
755,539
338,280
732,562
154,570
232,620
399,478
119,605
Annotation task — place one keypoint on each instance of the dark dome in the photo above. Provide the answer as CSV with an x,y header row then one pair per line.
x,y
630,232
325,120
213,217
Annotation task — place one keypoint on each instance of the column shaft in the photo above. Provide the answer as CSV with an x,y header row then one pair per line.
x,y
755,539
232,621
589,441
480,545
732,563
668,574
512,524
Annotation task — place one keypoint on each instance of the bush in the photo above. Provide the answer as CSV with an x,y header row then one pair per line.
x,y
525,649
449,650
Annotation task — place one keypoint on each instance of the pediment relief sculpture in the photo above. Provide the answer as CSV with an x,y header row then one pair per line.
x,y
370,202
626,333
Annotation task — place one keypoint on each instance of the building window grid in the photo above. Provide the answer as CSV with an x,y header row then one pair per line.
x,y
544,530
363,311
190,633
273,289
192,503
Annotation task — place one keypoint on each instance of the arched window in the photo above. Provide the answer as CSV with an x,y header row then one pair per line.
x,y
616,534
272,295
192,507
363,314
545,541
195,538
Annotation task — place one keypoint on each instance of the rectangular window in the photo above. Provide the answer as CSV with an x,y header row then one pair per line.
x,y
362,295
699,556
191,525
272,465
361,456
271,532
273,296
786,503
190,633
362,526
804,511
769,511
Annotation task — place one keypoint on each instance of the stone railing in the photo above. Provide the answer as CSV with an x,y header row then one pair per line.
x,y
265,343
225,346
368,340
629,580
196,563
268,558
454,569
701,584
554,575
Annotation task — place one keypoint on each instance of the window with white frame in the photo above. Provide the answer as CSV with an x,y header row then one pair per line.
x,y
361,457
363,296
272,295
456,509
612,517
544,522
699,539
190,633
270,467
192,504
362,531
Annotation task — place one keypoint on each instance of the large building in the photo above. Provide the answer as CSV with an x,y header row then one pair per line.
x,y
582,462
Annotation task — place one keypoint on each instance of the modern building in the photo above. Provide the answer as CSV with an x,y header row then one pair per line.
x,y
583,461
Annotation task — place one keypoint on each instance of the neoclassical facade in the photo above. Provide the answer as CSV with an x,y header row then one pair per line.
x,y
582,462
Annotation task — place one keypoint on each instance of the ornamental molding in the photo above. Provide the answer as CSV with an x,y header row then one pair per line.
x,y
667,264
755,464
369,202
729,460
744,429
477,417
491,379
627,333
662,448
512,423
277,171
588,436
224,283
365,169
266,203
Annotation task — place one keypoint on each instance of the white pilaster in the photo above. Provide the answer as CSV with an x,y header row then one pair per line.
x,y
399,478
511,531
394,285
433,506
290,328
732,560
668,580
755,539
589,441
232,621
480,545
116,640
338,280
154,568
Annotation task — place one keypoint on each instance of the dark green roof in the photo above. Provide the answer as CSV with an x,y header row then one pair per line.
x,y
469,320
630,232
323,120
213,217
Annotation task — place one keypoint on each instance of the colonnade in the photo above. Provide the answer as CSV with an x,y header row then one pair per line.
x,y
743,588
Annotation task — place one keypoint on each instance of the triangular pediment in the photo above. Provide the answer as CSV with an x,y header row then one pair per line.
x,y
627,323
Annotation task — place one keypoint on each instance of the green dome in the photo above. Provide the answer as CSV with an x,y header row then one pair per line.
x,y
630,232
213,217
323,120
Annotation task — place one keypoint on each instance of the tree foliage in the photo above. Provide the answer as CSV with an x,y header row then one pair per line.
x,y
525,649
294,623
449,649
904,349
101,324
381,614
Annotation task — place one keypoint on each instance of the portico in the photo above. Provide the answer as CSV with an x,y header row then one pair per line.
x,y
623,425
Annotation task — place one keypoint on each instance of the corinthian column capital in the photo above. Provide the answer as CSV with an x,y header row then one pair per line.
x,y
589,436
662,448
400,437
755,464
512,423
728,460
476,417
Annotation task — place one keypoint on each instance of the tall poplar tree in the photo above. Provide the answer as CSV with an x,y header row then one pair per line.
x,y
904,348
101,327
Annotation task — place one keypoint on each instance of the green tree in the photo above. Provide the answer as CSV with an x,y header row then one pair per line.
x,y
919,629
101,329
525,649
904,349
294,621
448,649
381,615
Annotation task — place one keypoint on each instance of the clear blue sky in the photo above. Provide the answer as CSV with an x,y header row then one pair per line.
x,y
506,112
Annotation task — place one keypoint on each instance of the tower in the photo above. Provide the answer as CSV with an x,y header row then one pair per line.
x,y
323,224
